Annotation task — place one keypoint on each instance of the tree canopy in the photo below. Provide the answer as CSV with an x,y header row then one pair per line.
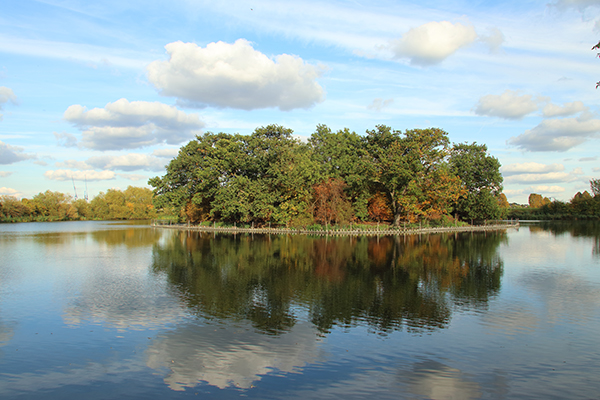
x,y
271,177
132,203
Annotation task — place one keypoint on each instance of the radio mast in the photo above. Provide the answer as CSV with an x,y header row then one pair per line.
x,y
75,190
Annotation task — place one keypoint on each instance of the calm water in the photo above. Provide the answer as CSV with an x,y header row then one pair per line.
x,y
106,310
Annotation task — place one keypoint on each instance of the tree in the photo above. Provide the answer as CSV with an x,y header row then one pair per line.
x,y
342,155
379,208
537,200
11,207
595,186
480,175
330,204
53,205
404,164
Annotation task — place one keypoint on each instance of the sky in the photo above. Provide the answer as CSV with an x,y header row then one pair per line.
x,y
100,95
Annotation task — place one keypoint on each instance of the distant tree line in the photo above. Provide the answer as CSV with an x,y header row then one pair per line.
x,y
271,177
132,203
581,206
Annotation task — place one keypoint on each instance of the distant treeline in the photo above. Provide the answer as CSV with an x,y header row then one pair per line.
x,y
271,177
132,203
581,206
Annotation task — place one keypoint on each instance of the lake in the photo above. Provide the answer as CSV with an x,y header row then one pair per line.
x,y
105,310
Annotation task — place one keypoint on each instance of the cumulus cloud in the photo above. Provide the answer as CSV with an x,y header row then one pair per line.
x,y
557,134
165,153
6,95
128,125
379,104
530,168
235,76
433,42
509,105
4,174
12,154
128,162
4,191
553,110
89,175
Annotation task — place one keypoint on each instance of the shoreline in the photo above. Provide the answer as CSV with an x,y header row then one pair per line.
x,y
343,232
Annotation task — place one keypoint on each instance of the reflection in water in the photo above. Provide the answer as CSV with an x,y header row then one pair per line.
x,y
565,295
229,356
389,283
434,380
582,229
224,316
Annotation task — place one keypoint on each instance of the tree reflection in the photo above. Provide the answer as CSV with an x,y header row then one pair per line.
x,y
387,283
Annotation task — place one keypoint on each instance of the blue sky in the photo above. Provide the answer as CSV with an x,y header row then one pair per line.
x,y
106,92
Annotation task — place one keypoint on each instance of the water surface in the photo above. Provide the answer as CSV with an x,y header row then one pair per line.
x,y
112,310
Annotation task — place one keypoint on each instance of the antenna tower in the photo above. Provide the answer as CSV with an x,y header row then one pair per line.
x,y
74,189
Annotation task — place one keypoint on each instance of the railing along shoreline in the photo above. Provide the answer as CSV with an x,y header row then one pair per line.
x,y
339,231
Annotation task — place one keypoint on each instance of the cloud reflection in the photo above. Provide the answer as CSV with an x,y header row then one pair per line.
x,y
233,357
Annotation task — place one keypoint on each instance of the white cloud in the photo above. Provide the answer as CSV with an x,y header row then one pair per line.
x,y
4,174
494,40
12,154
6,95
433,42
89,175
74,164
165,153
236,76
65,139
128,162
513,192
127,125
531,168
134,177
379,104
553,110
4,191
508,105
546,189
549,177
557,134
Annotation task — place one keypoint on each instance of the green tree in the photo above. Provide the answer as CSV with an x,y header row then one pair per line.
x,y
12,208
403,165
53,205
99,208
342,155
200,170
480,175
